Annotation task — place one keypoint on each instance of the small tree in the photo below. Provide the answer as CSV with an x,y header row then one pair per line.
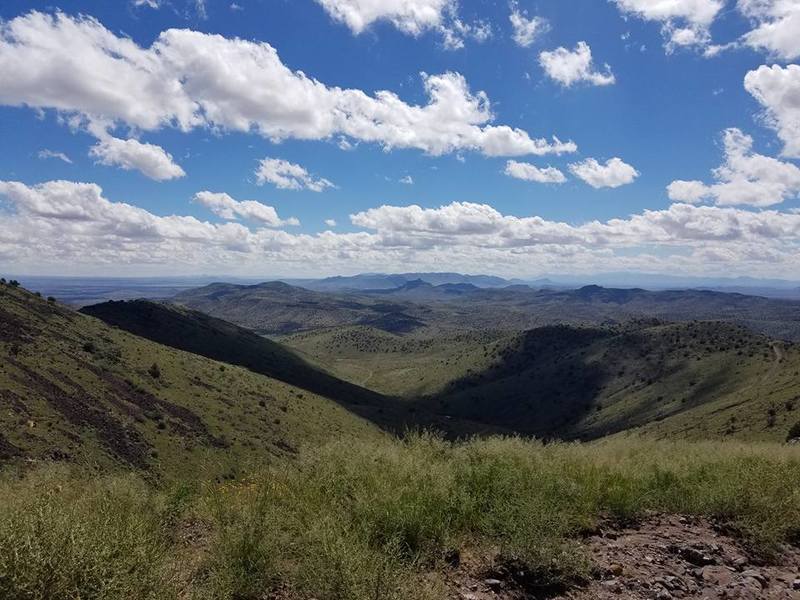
x,y
155,371
794,432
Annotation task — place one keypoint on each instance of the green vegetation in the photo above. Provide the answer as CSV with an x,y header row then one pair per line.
x,y
377,519
74,389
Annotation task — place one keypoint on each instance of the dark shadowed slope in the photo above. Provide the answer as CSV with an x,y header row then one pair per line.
x,y
74,389
207,336
201,334
699,380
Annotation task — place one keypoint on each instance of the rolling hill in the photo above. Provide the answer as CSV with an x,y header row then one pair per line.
x,y
420,308
702,380
278,308
75,389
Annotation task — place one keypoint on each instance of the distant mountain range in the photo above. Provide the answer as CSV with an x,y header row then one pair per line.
x,y
276,308
381,281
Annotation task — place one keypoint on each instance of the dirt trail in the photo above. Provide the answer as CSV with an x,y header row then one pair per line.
x,y
665,558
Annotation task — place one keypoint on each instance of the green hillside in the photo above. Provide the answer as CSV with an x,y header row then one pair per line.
x,y
74,389
400,365
704,380
201,334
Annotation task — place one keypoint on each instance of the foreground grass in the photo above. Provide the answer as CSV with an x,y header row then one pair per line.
x,y
366,521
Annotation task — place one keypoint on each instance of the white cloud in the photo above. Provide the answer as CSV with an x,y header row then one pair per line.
x,y
289,176
44,154
744,178
408,180
409,16
614,173
153,161
529,172
188,79
569,67
526,29
330,222
61,226
683,22
778,90
222,205
777,26
456,31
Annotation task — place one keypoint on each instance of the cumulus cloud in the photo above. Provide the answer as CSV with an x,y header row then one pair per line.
x,y
409,16
614,173
407,179
60,224
569,67
187,79
153,161
777,26
683,22
289,176
330,222
744,178
44,154
222,205
778,90
529,172
526,29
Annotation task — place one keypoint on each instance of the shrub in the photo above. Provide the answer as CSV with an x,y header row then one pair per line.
x,y
154,371
64,537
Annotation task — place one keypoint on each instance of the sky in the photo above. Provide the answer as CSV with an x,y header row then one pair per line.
x,y
321,137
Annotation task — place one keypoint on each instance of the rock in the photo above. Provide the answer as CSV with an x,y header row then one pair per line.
x,y
493,584
663,595
615,569
796,584
696,557
719,576
751,574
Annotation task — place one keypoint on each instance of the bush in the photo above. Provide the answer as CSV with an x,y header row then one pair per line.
x,y
154,371
73,538
794,432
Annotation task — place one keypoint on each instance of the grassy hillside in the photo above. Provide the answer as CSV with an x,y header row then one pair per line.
x,y
201,334
704,380
419,519
74,389
399,365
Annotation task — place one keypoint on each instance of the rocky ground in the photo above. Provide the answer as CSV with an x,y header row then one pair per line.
x,y
663,558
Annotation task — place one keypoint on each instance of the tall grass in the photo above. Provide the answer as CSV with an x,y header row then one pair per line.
x,y
369,520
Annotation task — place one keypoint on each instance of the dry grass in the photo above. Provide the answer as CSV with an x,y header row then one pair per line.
x,y
368,520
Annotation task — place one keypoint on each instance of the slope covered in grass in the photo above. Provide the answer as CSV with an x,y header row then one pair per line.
x,y
202,334
383,519
74,389
704,380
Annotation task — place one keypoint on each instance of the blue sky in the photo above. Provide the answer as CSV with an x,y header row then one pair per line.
x,y
678,86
